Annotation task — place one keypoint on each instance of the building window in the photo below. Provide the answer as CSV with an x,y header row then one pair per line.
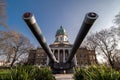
x,y
81,56
61,39
86,63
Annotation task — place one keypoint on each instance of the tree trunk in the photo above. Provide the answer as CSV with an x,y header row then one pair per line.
x,y
13,61
111,63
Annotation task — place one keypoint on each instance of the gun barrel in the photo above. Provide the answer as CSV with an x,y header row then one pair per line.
x,y
86,25
32,24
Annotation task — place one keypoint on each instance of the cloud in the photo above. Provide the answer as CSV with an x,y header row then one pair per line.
x,y
3,15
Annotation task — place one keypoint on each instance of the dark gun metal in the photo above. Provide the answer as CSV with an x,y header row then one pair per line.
x,y
32,24
86,25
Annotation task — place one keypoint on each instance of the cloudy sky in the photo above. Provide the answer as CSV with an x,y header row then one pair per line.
x,y
51,14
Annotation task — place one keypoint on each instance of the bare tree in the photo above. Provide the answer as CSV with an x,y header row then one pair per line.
x,y
105,43
116,30
89,42
15,46
117,19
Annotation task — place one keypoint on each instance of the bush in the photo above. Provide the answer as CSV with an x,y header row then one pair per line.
x,y
96,73
28,73
4,73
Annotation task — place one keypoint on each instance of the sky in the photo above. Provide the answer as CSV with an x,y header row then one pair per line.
x,y
51,14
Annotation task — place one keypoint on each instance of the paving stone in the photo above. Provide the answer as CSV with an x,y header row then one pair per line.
x,y
64,76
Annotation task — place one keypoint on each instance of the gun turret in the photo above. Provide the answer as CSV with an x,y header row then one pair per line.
x,y
86,25
55,65
32,24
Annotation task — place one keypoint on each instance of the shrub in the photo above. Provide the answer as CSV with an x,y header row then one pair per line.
x,y
4,73
28,73
96,73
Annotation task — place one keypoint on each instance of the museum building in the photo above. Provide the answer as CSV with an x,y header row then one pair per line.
x,y
61,49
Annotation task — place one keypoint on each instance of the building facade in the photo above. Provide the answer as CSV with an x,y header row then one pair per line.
x,y
61,49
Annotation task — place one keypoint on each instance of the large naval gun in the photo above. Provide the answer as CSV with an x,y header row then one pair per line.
x,y
56,66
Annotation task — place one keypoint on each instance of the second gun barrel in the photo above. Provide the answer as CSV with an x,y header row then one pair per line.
x,y
86,25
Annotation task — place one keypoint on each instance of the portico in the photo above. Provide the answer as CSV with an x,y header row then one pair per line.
x,y
61,46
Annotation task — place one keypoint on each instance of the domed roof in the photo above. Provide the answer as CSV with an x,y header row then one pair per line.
x,y
61,31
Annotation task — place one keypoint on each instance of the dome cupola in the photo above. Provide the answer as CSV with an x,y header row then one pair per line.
x,y
61,31
61,36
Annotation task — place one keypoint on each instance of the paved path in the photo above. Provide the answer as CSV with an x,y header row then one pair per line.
x,y
64,76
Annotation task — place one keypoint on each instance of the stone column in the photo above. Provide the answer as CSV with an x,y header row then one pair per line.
x,y
53,51
63,55
69,51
